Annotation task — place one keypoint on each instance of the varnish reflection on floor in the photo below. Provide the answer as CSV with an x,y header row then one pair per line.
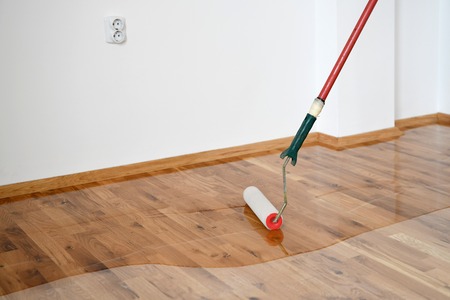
x,y
196,217
407,260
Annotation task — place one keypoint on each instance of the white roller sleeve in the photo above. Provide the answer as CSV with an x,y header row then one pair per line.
x,y
260,205
316,107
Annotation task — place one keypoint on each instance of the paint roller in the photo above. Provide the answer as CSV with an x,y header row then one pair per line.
x,y
255,199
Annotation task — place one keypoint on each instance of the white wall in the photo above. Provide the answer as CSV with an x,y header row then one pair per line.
x,y
200,75
417,57
363,96
367,90
444,57
327,51
193,76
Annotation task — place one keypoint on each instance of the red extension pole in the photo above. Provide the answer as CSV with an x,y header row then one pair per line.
x,y
347,49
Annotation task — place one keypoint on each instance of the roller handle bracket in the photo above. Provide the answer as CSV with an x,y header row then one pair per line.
x,y
299,138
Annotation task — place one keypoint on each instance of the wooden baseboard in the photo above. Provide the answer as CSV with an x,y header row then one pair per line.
x,y
239,152
359,139
59,182
443,119
414,122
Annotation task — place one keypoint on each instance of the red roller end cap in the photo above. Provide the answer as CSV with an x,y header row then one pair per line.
x,y
270,224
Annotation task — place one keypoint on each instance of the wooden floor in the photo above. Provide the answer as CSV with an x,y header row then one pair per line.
x,y
186,233
407,260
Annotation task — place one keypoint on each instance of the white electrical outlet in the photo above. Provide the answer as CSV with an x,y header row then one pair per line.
x,y
115,29
118,37
118,24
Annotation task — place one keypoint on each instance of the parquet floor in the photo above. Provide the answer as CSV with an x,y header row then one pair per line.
x,y
407,260
188,232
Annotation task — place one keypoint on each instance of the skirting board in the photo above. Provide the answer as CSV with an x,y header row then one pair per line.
x,y
12,191
357,140
409,123
58,182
